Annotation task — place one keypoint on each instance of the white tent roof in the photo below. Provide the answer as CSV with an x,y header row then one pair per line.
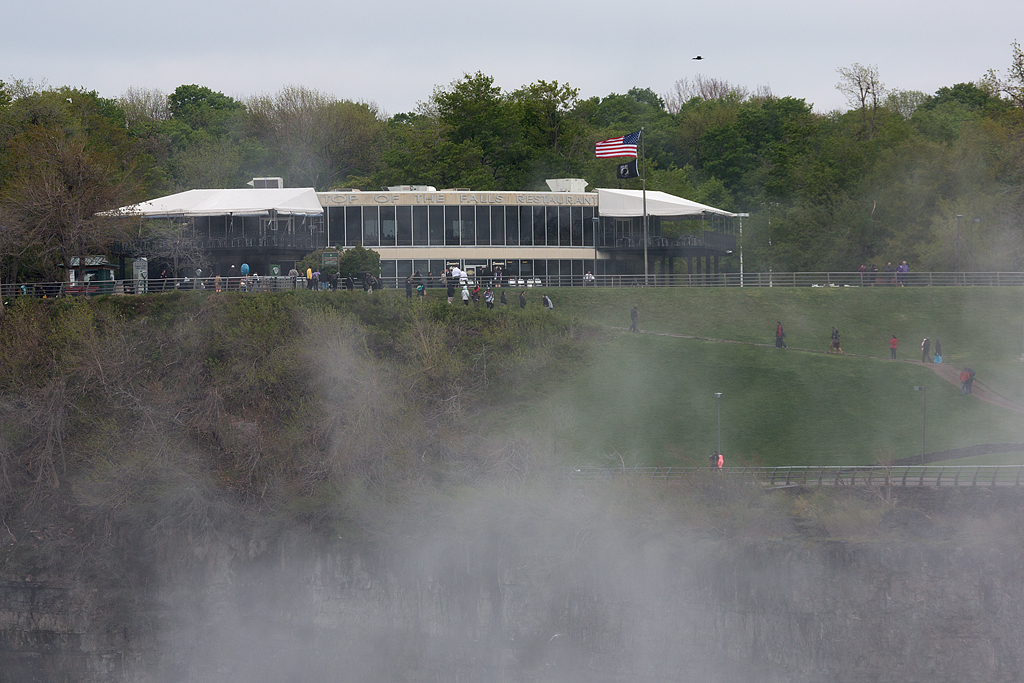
x,y
244,202
629,203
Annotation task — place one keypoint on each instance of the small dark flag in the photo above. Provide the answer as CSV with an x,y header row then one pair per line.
x,y
627,170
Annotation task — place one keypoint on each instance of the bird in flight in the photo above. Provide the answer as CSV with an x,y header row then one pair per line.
x,y
698,57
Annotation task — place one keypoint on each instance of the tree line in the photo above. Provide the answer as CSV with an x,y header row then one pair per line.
x,y
882,181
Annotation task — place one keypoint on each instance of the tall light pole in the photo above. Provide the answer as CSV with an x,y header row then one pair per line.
x,y
718,395
924,412
958,217
973,221
741,217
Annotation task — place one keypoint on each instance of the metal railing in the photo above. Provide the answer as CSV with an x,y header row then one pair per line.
x,y
260,283
823,475
265,283
807,279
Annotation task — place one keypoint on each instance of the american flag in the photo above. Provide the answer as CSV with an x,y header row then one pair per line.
x,y
619,147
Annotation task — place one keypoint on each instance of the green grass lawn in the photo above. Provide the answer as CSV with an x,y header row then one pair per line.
x,y
650,399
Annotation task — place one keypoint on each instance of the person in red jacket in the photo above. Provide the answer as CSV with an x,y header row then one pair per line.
x,y
892,346
780,336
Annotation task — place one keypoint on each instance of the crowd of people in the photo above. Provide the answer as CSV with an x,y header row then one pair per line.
x,y
835,346
869,275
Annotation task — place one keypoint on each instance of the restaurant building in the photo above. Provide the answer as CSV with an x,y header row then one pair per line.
x,y
563,232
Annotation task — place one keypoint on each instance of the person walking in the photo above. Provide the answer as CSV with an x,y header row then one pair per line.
x,y
937,358
465,295
963,382
892,347
634,316
504,299
522,300
489,298
451,290
834,346
780,335
408,288
925,346
547,302
717,460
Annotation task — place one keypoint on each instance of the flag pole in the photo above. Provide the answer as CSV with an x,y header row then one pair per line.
x,y
643,164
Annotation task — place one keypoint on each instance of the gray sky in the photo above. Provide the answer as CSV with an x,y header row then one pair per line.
x,y
395,53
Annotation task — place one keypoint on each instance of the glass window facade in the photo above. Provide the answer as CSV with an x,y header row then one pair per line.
x,y
553,226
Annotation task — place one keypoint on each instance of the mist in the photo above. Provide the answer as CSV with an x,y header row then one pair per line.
x,y
308,488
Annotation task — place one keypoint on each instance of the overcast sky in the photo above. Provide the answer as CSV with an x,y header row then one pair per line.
x,y
395,53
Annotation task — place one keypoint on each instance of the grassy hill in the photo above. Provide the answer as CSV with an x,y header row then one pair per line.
x,y
650,399
347,379
349,414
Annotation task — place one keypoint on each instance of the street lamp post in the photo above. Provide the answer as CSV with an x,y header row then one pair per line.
x,y
924,413
973,221
741,217
958,217
718,395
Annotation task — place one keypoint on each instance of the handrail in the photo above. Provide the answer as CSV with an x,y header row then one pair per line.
x,y
823,475
822,279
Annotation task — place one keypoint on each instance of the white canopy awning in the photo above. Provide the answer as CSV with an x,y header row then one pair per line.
x,y
630,203
300,201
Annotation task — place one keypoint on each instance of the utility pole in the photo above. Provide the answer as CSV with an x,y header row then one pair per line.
x,y
718,395
741,217
924,414
958,217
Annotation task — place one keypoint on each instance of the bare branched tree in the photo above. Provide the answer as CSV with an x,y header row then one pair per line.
x,y
144,105
905,102
1012,85
322,140
864,90
60,192
175,243
704,88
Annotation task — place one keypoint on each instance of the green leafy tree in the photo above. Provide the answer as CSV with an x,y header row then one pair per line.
x,y
483,122
200,108
355,260
552,127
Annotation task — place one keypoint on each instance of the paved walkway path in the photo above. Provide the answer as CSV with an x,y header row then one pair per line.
x,y
946,371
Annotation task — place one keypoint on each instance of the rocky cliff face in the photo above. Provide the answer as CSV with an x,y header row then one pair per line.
x,y
680,609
